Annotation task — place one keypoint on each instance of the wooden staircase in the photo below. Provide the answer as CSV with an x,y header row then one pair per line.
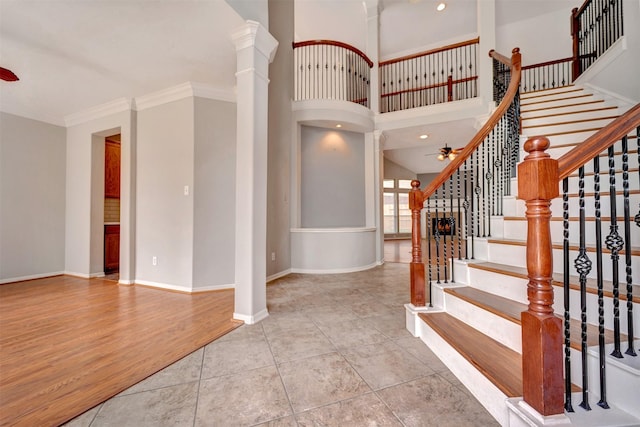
x,y
474,324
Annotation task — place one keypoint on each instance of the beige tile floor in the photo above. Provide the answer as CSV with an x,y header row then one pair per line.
x,y
333,352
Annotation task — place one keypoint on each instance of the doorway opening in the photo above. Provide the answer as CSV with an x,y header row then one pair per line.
x,y
112,206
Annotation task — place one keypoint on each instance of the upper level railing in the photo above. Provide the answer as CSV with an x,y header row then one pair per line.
x,y
546,75
446,74
595,26
327,69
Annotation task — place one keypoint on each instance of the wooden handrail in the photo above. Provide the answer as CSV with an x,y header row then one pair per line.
x,y
515,64
598,142
430,52
433,86
544,64
334,43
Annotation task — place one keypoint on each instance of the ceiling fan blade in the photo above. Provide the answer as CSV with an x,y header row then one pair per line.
x,y
8,75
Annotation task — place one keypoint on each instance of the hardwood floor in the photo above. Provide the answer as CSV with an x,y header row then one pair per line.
x,y
67,344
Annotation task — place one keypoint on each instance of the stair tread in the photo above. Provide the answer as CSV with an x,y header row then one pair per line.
x,y
569,113
557,279
511,310
501,365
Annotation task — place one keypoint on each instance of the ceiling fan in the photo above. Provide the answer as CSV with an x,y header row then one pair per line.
x,y
447,152
8,75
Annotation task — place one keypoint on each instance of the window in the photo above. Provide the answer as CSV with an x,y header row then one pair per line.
x,y
397,215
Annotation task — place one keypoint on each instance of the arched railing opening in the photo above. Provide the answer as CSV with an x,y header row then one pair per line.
x,y
327,69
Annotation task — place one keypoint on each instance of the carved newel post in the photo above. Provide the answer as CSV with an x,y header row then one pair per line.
x,y
416,200
541,329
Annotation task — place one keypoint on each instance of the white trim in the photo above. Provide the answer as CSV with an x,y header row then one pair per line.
x,y
278,275
31,277
335,270
181,91
202,90
213,288
334,230
116,106
615,50
126,282
164,286
75,274
250,320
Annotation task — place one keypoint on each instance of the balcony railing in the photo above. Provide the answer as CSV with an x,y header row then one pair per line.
x,y
595,26
436,76
327,69
546,75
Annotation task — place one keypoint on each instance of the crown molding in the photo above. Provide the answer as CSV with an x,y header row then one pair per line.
x,y
116,106
181,91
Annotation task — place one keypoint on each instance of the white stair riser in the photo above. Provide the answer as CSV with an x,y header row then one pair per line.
x,y
592,309
517,230
622,385
510,287
502,330
589,206
582,106
558,91
568,127
575,115
516,255
550,102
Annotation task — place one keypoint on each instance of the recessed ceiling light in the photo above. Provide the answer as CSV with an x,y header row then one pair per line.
x,y
441,6
424,136
338,125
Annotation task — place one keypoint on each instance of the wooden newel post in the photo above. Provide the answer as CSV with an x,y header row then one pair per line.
x,y
542,367
416,200
575,34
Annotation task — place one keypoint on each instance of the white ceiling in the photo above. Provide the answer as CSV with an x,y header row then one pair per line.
x,y
72,55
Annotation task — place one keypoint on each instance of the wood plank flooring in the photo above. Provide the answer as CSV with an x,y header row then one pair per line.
x,y
67,344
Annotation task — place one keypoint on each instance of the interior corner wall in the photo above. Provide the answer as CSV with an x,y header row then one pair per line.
x,y
165,192
392,170
214,194
281,26
537,45
32,198
332,178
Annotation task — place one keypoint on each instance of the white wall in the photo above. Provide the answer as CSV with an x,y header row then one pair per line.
x,y
165,215
84,230
393,170
540,39
214,194
332,178
32,198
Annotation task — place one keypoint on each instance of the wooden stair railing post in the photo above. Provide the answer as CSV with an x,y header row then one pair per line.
x,y
416,201
575,33
542,366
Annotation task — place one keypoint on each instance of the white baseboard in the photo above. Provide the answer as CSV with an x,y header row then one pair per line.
x,y
31,277
335,270
252,319
164,286
278,275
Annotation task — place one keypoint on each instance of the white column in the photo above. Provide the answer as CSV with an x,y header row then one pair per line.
x,y
373,47
487,34
378,166
255,49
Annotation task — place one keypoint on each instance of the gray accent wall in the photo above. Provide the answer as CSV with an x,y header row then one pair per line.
x,y
214,193
332,178
32,198
392,170
281,26
165,214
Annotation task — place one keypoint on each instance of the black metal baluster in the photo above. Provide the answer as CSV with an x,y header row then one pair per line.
x,y
598,222
472,212
614,244
627,250
429,244
436,236
465,206
451,225
444,245
637,217
478,191
458,228
567,291
484,207
583,267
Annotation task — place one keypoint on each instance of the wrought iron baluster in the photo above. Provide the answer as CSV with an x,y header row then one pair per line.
x,y
465,206
614,244
444,245
583,267
430,260
598,223
627,250
567,315
436,236
484,207
451,223
458,229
